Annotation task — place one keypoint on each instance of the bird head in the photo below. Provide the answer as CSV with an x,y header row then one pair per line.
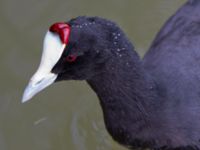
x,y
73,50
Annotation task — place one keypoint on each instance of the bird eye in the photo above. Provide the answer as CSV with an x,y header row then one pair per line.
x,y
71,58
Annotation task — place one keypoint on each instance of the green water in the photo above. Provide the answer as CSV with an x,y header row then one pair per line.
x,y
67,115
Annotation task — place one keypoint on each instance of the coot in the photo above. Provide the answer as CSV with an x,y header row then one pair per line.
x,y
151,103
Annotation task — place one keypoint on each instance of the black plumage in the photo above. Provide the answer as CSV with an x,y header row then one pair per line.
x,y
151,103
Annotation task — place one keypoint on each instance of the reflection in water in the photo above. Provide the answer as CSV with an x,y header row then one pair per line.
x,y
84,139
67,115
78,138
40,120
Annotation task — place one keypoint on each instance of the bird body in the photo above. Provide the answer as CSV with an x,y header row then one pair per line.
x,y
173,61
151,103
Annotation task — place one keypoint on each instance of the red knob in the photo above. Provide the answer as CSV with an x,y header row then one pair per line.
x,y
62,29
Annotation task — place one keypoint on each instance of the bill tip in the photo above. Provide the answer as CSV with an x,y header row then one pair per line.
x,y
25,98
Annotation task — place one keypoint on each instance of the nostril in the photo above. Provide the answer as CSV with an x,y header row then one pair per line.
x,y
38,82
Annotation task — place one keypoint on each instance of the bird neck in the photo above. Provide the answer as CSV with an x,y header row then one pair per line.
x,y
126,94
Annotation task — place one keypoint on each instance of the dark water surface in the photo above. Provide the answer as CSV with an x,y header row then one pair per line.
x,y
67,115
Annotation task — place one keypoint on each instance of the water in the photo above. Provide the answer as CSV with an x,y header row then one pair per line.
x,y
67,115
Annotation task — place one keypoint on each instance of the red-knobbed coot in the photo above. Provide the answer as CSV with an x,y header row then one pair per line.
x,y
151,103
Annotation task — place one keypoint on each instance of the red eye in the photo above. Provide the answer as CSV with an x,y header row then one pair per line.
x,y
71,58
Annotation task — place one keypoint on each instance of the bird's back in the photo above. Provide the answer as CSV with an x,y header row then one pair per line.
x,y
174,62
